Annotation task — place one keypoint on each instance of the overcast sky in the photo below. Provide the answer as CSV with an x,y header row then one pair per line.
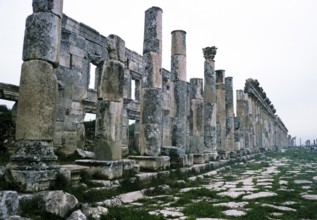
x,y
274,41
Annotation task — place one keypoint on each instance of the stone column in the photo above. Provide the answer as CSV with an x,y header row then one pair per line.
x,y
196,118
34,165
241,113
151,108
109,112
221,114
210,101
229,115
178,69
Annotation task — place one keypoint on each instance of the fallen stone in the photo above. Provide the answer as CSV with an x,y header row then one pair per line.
x,y
131,196
58,202
9,204
93,212
84,154
110,202
233,212
315,179
259,195
77,215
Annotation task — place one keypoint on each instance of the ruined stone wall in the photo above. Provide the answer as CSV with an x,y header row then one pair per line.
x,y
83,48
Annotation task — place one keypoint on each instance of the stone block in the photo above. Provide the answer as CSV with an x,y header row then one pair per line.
x,y
42,38
196,88
129,168
178,67
77,51
150,139
112,81
151,109
64,59
31,180
37,102
96,53
9,204
79,93
116,48
77,63
103,169
152,163
108,130
152,70
200,158
196,119
51,6
196,144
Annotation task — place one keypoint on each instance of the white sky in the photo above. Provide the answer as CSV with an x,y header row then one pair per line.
x,y
274,41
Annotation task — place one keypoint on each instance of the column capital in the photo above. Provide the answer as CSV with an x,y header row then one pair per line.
x,y
210,52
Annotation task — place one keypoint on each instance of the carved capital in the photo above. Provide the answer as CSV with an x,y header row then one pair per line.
x,y
210,52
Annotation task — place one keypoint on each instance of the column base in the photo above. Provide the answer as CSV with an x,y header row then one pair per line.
x,y
223,155
152,163
33,167
106,169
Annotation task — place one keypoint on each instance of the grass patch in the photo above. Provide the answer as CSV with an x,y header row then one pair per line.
x,y
126,213
203,209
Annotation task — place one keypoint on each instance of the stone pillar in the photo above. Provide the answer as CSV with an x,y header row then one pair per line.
x,y
109,112
241,113
34,165
196,118
221,114
229,115
210,101
151,108
178,69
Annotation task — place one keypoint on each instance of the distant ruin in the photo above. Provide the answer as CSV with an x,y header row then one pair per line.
x,y
177,123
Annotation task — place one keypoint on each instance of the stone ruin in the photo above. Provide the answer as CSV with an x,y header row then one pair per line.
x,y
177,123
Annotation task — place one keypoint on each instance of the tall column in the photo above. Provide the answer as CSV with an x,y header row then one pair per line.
x,y
34,164
241,113
229,115
221,113
151,108
210,100
196,118
178,70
